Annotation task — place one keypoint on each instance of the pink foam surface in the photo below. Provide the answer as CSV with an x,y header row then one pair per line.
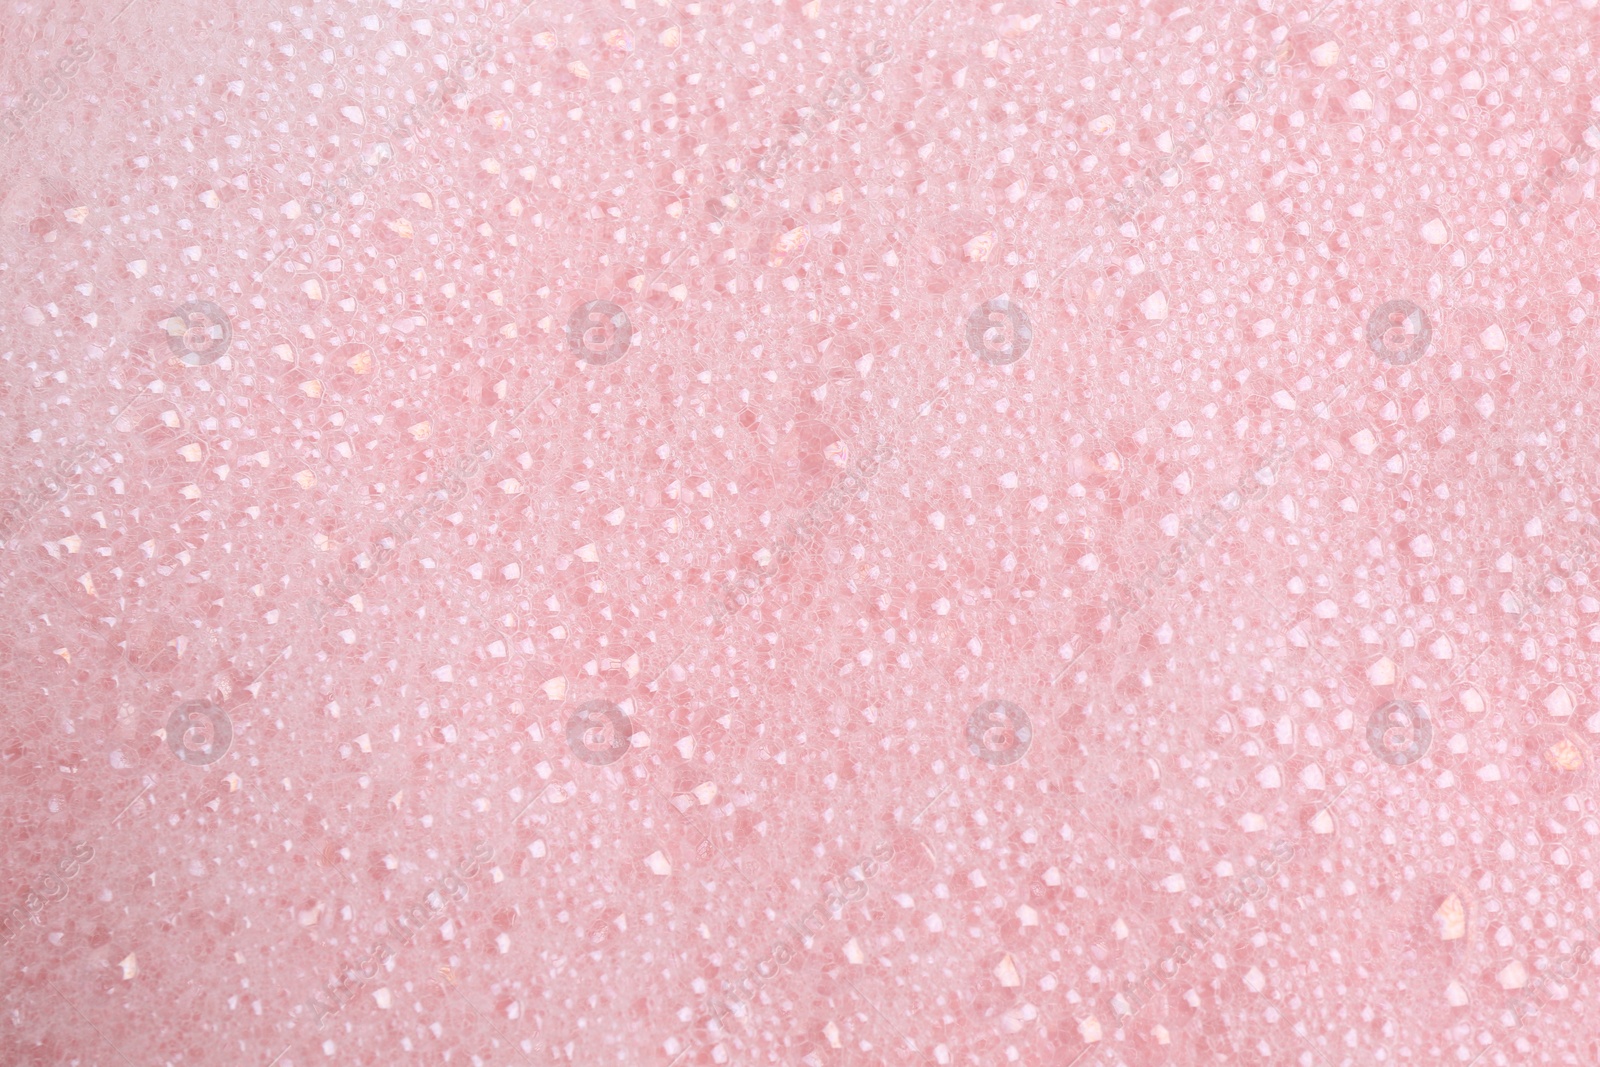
x,y
816,534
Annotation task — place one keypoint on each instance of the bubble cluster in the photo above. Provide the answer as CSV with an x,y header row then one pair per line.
x,y
711,533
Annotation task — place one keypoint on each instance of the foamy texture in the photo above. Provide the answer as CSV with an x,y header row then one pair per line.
x,y
808,534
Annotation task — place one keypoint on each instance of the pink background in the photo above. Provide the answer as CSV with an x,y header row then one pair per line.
x,y
1065,536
